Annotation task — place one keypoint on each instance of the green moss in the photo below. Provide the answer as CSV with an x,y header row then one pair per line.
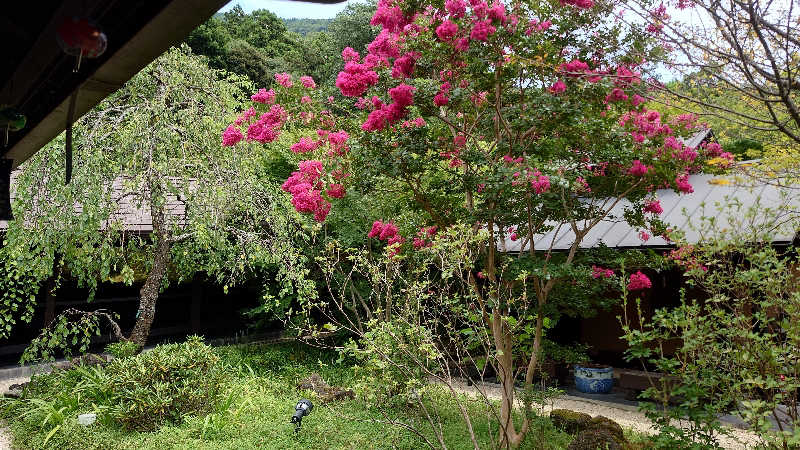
x,y
604,423
570,421
594,439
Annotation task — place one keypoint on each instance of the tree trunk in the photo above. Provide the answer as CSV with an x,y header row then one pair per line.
x,y
148,295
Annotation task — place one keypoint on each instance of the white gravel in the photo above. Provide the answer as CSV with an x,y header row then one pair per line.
x,y
5,436
627,416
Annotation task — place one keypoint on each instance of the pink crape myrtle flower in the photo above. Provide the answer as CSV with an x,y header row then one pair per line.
x,y
456,8
447,30
639,281
308,82
558,87
682,181
284,79
638,169
231,136
306,144
377,227
482,30
601,272
644,236
653,206
264,96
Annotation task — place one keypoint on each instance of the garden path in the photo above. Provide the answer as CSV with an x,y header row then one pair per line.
x,y
627,416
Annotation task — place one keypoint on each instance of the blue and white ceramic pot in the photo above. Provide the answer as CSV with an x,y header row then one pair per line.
x,y
594,380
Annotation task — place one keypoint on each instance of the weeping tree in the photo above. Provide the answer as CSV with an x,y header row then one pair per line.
x,y
154,197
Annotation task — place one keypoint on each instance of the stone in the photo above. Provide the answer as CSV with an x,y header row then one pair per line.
x,y
594,439
570,421
87,419
327,393
604,423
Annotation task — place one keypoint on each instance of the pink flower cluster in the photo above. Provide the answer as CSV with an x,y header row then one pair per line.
x,y
535,25
682,182
653,206
267,128
264,96
600,272
305,186
540,183
639,282
402,96
387,232
231,136
356,77
685,257
308,82
284,79
424,237
638,169
558,87
447,30
583,4
306,144
441,98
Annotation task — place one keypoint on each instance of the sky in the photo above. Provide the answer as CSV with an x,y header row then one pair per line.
x,y
289,9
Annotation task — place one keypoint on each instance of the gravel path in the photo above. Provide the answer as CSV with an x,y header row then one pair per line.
x,y
5,436
627,416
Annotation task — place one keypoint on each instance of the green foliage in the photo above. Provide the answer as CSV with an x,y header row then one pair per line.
x,y
70,332
253,411
164,384
737,343
306,26
395,358
18,288
123,349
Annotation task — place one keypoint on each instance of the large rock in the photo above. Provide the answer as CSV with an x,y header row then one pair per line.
x,y
570,421
326,392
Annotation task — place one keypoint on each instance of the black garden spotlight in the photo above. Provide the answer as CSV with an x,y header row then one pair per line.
x,y
302,409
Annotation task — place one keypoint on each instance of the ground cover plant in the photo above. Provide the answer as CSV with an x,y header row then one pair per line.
x,y
252,408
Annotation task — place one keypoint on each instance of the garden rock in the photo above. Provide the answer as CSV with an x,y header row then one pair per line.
x,y
594,439
570,421
326,392
613,428
89,360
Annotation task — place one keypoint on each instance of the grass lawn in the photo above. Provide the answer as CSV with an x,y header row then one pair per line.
x,y
258,401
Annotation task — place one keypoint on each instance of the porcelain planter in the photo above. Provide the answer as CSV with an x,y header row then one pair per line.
x,y
594,379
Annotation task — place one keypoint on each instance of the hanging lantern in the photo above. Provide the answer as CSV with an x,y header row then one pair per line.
x,y
10,120
81,38
5,189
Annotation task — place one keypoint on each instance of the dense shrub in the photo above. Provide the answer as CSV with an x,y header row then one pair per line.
x,y
594,439
123,349
164,384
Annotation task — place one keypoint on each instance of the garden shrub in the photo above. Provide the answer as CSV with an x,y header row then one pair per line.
x,y
164,384
123,349
570,421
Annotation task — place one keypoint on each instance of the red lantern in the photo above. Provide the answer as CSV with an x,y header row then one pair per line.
x,y
82,38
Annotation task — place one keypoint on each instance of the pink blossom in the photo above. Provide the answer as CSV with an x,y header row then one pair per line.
x,y
231,136
338,139
713,149
456,8
682,181
305,144
638,169
264,96
540,183
403,94
305,100
687,154
558,87
497,12
600,272
377,227
308,82
389,231
584,4
616,95
447,30
644,236
514,236
390,16
384,45
637,100
574,68
356,78
335,190
462,45
653,206
348,54
639,281
284,79
482,30
459,140
440,99
404,66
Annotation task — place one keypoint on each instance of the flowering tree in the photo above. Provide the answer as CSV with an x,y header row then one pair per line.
x,y
512,119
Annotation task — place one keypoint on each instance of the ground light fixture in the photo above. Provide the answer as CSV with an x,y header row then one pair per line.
x,y
301,409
